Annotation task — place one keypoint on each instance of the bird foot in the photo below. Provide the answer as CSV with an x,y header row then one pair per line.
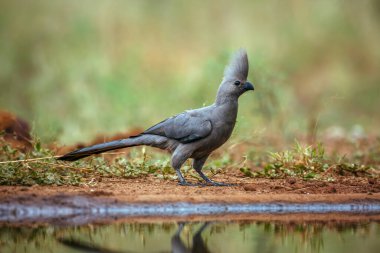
x,y
184,183
213,183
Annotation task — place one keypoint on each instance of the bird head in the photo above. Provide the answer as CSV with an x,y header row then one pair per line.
x,y
235,81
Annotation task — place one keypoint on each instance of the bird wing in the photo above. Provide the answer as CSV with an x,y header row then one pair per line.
x,y
185,127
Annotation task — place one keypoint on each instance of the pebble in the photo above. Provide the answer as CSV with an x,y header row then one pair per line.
x,y
249,187
371,180
331,189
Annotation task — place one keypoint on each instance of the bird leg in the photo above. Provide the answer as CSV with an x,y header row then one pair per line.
x,y
209,181
182,180
178,159
198,164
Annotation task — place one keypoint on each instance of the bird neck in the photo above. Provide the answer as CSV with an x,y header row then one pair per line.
x,y
227,105
224,95
227,108
222,98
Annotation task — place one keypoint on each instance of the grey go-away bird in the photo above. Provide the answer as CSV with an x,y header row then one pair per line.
x,y
194,133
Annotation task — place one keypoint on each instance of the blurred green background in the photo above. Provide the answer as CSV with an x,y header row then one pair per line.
x,y
78,68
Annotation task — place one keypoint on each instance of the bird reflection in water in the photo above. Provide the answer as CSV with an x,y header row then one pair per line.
x,y
178,246
199,245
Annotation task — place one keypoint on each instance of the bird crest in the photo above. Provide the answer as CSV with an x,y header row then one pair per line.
x,y
238,67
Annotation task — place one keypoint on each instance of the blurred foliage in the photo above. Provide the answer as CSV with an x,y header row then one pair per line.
x,y
311,162
78,68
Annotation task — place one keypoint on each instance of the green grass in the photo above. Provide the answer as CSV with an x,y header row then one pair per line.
x,y
311,162
33,170
39,166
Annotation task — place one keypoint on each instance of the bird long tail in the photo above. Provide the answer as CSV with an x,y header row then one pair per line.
x,y
155,141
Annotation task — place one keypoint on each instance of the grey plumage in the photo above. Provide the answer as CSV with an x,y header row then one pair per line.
x,y
238,66
193,133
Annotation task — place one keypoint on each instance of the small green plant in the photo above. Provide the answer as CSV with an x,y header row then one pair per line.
x,y
39,166
307,162
30,169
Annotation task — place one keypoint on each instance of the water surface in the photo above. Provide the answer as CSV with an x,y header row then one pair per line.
x,y
170,236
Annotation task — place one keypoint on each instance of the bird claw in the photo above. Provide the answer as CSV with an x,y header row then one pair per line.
x,y
208,183
213,183
184,183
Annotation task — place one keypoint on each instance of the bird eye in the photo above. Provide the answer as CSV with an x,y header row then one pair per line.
x,y
237,83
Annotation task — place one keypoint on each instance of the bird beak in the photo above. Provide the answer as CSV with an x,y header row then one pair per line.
x,y
248,86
